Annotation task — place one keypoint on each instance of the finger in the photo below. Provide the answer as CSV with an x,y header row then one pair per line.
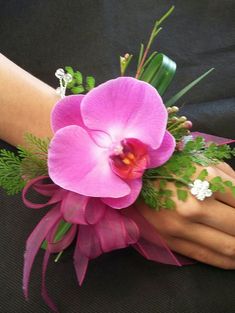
x,y
226,197
218,215
200,253
226,168
210,238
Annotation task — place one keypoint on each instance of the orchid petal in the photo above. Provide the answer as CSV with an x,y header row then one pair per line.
x,y
123,202
77,164
67,112
163,153
126,108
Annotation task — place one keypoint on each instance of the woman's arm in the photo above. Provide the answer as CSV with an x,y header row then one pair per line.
x,y
25,103
204,230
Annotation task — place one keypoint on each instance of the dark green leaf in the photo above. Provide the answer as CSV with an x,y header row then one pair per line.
x,y
159,72
182,92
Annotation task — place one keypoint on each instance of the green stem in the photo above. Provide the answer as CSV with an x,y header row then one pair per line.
x,y
154,33
151,38
58,256
181,180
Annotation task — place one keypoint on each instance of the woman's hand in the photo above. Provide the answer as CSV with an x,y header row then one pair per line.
x,y
202,230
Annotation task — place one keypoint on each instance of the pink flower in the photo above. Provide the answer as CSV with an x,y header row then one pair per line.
x,y
105,140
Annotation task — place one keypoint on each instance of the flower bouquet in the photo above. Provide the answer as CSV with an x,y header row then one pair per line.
x,y
115,146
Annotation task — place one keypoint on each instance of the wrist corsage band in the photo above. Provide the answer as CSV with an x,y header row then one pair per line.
x,y
115,147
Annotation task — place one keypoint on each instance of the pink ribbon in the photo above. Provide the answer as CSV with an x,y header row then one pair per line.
x,y
211,138
99,229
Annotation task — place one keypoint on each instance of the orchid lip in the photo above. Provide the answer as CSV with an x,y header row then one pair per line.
x,y
129,158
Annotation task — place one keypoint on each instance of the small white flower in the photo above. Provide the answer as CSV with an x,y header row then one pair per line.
x,y
200,189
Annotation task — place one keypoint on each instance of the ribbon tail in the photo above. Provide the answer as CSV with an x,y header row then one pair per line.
x,y
44,292
151,245
160,253
34,242
80,263
211,138
87,247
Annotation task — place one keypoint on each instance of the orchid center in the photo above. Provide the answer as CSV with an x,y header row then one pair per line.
x,y
129,158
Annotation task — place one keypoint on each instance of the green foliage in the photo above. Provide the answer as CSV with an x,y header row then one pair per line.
x,y
206,155
158,71
90,83
182,194
10,172
62,229
182,92
31,162
34,156
157,197
77,85
77,89
142,62
180,169
203,174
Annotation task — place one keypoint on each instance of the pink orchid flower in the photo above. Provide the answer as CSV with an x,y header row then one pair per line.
x,y
105,140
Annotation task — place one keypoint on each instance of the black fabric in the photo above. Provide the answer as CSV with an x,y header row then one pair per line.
x,y
41,36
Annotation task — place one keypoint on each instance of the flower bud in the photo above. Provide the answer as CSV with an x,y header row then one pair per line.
x,y
188,124
183,119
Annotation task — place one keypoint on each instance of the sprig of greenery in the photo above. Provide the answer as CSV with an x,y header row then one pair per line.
x,y
10,172
206,155
155,31
31,162
180,170
77,84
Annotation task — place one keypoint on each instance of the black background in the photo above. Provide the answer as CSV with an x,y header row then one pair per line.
x,y
42,36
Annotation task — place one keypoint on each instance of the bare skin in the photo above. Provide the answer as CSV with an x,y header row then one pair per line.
x,y
203,230
26,103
